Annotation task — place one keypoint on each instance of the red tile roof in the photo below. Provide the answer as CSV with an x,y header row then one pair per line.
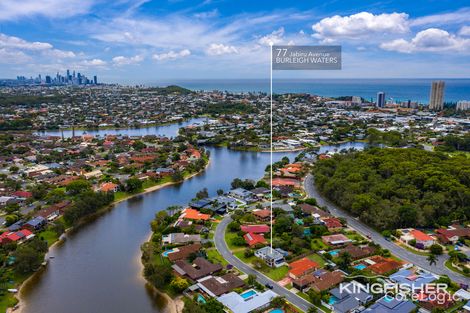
x,y
255,228
419,235
254,239
192,214
301,267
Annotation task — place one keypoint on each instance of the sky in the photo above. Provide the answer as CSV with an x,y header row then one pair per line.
x,y
143,41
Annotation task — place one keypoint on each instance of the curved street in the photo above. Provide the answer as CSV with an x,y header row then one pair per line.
x,y
376,237
221,245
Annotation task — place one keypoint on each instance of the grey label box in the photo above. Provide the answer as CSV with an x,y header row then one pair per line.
x,y
306,57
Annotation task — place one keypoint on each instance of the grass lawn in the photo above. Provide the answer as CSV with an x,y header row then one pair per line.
x,y
423,253
241,256
354,236
317,258
49,235
275,274
317,244
7,300
449,265
228,239
214,256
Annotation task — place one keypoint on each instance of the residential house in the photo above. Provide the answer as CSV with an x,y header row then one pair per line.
x,y
183,252
336,239
413,279
256,229
180,238
319,280
301,268
262,215
358,252
242,194
388,304
18,236
109,187
198,269
236,303
333,224
217,286
253,239
195,215
272,257
36,223
452,234
351,298
381,265
423,240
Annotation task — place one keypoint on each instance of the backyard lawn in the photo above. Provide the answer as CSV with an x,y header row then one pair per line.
x,y
317,245
317,258
275,274
214,256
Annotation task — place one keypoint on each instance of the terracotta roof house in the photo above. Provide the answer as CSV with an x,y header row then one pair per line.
x,y
253,239
256,229
22,194
198,269
423,240
302,267
333,224
383,265
109,187
262,215
217,286
192,214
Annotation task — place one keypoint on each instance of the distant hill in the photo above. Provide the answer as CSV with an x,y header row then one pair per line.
x,y
172,89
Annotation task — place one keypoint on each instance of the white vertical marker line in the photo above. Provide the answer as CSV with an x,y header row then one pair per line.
x,y
271,139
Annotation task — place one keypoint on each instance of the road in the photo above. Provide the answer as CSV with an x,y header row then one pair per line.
x,y
376,237
221,245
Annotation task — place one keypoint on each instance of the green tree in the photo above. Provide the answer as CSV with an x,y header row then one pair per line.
x,y
78,186
432,259
133,184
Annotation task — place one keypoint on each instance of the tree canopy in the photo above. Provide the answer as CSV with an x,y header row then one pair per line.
x,y
394,188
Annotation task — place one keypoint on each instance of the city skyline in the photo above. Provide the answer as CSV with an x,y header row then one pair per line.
x,y
146,41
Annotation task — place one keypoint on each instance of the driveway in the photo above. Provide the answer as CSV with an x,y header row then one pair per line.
x,y
376,237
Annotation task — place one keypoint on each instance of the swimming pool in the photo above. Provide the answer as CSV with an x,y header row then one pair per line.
x,y
201,299
332,300
277,311
248,294
334,252
360,266
165,253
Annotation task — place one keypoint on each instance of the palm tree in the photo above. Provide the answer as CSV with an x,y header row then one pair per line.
x,y
432,259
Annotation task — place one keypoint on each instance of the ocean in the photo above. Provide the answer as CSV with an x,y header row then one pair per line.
x,y
396,89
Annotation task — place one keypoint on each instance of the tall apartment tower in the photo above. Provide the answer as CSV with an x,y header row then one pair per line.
x,y
380,99
436,100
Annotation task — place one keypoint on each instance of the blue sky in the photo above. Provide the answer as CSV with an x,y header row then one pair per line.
x,y
146,41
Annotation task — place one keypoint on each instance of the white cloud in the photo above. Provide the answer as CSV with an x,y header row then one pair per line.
x,y
276,37
93,63
16,57
220,49
122,60
207,14
457,17
464,31
171,55
360,25
18,43
429,40
14,9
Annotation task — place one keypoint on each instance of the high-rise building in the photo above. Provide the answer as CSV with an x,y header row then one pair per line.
x,y
463,105
436,100
380,103
95,80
